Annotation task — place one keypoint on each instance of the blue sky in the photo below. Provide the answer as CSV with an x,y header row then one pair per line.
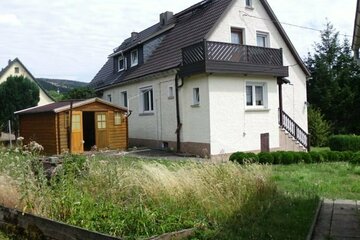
x,y
71,39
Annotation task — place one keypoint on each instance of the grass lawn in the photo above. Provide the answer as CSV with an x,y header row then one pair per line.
x,y
328,180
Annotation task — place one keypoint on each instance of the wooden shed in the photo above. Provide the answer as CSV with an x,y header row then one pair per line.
x,y
93,122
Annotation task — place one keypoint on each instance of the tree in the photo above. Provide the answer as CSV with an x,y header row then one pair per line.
x,y
17,93
319,128
80,93
335,84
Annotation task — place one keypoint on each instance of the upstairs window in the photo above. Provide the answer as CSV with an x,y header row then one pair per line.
x,y
255,94
147,99
262,39
237,36
170,92
121,63
109,97
134,55
124,99
248,3
17,70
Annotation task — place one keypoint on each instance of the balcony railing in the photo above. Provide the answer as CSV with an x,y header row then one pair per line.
x,y
226,57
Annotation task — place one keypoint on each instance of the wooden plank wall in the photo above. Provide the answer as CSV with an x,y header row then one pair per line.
x,y
41,128
118,138
62,140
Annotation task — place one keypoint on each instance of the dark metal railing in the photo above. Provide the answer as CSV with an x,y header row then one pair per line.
x,y
294,129
219,51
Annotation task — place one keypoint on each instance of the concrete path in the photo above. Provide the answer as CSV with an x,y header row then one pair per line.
x,y
338,220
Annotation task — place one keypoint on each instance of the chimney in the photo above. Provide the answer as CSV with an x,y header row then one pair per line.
x,y
134,35
9,61
165,17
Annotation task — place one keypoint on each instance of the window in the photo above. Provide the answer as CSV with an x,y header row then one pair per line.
x,y
147,99
17,70
134,57
262,39
101,121
237,36
171,92
121,63
117,118
255,94
196,96
109,97
76,122
248,3
124,99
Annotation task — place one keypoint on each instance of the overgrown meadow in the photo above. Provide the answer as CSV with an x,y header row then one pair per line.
x,y
133,198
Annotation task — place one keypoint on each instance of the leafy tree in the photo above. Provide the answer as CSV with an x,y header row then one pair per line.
x,y
80,93
319,128
335,84
17,93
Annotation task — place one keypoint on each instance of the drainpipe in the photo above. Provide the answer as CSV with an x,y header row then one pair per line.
x,y
178,120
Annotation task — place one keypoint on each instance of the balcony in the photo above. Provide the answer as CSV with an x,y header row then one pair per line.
x,y
218,57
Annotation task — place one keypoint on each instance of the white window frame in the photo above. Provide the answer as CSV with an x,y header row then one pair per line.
x,y
170,92
123,100
124,63
253,86
266,36
196,96
143,95
133,61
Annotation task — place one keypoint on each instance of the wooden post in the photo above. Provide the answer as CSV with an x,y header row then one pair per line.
x,y
70,125
281,121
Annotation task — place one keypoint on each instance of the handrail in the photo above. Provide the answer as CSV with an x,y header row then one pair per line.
x,y
294,129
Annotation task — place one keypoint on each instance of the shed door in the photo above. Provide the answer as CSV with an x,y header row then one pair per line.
x,y
101,126
77,145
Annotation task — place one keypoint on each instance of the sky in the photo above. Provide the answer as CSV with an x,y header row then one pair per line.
x,y
71,39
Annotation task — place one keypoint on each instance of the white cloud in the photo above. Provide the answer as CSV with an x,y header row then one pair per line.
x,y
10,20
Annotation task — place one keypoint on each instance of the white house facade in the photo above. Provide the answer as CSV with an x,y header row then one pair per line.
x,y
219,77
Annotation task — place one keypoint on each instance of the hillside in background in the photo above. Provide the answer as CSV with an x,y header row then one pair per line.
x,y
62,85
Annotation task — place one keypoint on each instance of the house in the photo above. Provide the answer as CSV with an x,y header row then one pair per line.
x,y
218,77
17,68
356,35
94,122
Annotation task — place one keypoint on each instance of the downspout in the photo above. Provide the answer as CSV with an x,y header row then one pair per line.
x,y
178,120
70,126
280,83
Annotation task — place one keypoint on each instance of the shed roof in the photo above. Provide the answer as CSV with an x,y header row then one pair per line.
x,y
65,105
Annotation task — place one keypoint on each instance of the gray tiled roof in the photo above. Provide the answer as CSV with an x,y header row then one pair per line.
x,y
191,26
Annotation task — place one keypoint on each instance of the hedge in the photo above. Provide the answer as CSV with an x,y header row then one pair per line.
x,y
296,157
344,143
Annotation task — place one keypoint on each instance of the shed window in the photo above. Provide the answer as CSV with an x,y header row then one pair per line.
x,y
117,118
76,124
101,121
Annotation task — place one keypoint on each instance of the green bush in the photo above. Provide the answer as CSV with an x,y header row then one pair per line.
x,y
266,157
319,128
316,157
344,143
287,158
242,158
306,157
355,159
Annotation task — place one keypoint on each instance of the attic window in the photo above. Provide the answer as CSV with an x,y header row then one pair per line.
x,y
248,3
17,70
121,63
134,57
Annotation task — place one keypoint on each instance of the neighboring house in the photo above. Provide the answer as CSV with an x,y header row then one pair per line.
x,y
210,80
356,35
94,122
17,68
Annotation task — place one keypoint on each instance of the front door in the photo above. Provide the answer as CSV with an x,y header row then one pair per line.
x,y
101,127
77,145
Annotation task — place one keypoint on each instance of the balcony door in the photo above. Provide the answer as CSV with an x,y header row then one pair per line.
x,y
237,36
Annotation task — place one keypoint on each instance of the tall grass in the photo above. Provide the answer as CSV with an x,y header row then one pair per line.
x,y
135,199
